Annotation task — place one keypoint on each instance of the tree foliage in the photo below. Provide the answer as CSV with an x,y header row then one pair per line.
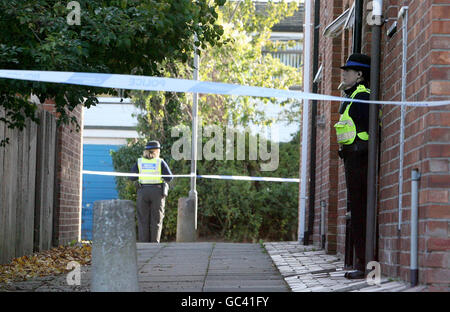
x,y
230,210
233,210
244,60
115,36
241,60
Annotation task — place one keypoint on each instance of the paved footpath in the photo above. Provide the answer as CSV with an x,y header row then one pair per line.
x,y
225,267
309,269
185,267
207,267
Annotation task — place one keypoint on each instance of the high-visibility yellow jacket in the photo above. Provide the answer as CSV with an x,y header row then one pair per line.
x,y
345,128
151,167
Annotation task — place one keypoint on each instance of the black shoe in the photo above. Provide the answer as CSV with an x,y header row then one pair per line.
x,y
354,275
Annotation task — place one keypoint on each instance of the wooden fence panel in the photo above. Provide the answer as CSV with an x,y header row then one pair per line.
x,y
45,173
18,193
27,169
27,174
9,191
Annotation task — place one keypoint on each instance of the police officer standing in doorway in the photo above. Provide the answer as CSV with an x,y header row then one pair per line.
x,y
151,193
352,136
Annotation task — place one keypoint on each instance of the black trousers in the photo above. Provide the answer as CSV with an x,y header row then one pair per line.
x,y
355,163
150,213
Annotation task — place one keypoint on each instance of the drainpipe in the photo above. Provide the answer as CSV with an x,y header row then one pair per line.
x,y
415,177
357,38
357,30
403,13
312,155
323,205
305,122
377,23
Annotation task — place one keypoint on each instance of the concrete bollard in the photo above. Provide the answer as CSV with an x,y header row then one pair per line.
x,y
114,256
186,230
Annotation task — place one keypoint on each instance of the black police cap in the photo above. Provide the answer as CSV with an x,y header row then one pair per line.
x,y
357,61
153,145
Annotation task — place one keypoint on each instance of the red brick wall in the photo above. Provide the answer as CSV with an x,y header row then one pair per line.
x,y
427,138
68,179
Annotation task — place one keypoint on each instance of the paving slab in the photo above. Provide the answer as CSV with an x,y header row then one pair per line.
x,y
242,267
207,267
228,267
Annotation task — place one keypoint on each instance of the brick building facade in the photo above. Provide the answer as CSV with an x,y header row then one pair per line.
x,y
427,139
68,179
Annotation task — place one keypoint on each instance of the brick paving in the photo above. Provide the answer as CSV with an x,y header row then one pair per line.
x,y
309,269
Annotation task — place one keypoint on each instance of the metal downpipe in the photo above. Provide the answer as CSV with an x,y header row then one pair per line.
x,y
414,271
402,14
305,121
357,33
312,155
372,183
357,39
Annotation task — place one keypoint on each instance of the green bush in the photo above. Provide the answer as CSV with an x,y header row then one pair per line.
x,y
239,211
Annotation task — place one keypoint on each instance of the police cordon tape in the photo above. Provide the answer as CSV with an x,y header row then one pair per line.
x,y
134,82
221,177
147,83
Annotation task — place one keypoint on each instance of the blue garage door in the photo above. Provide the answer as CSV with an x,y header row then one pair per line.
x,y
96,187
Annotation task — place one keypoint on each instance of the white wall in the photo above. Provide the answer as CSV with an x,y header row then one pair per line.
x,y
108,116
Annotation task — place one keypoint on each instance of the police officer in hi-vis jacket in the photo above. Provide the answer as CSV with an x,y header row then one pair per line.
x,y
151,193
352,136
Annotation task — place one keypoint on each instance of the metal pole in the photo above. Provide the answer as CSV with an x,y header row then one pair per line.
x,y
357,30
357,38
323,206
415,177
305,124
193,191
402,14
373,132
312,154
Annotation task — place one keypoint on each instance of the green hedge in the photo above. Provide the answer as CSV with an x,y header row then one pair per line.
x,y
240,211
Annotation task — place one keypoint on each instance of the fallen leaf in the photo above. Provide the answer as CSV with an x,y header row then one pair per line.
x,y
48,262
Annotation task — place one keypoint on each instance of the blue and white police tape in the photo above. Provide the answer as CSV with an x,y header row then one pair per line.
x,y
221,177
246,178
133,82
